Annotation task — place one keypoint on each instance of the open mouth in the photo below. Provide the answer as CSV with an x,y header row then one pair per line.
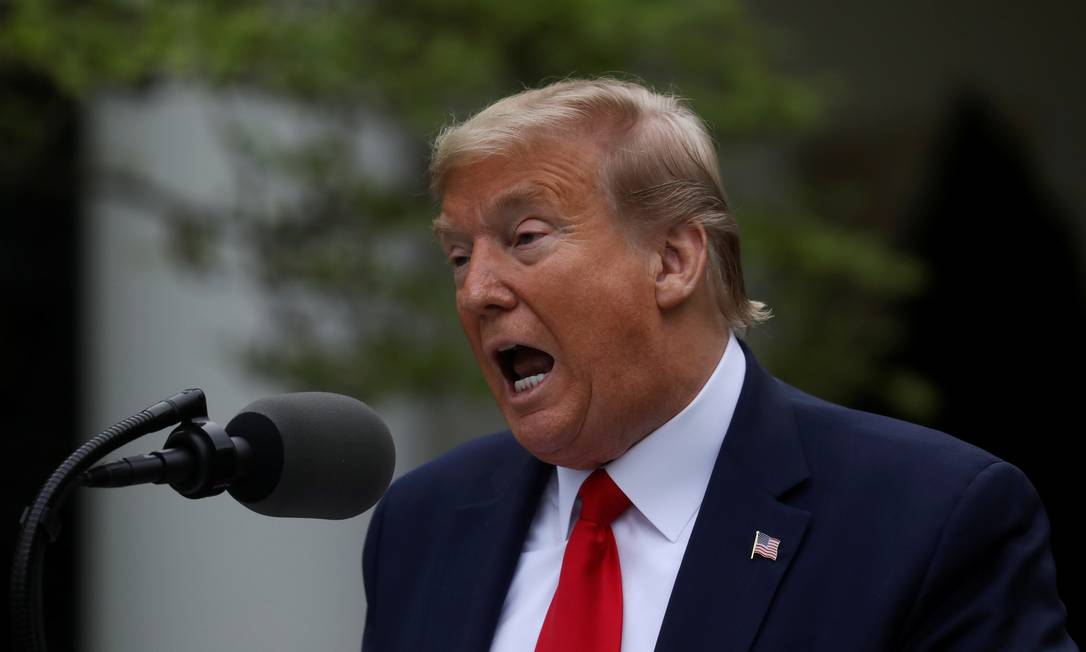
x,y
524,366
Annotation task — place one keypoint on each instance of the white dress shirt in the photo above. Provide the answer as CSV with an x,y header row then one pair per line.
x,y
665,476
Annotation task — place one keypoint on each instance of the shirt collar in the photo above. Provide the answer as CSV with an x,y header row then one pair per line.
x,y
665,474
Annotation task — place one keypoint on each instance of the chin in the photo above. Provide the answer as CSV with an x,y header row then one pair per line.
x,y
539,442
558,446
549,444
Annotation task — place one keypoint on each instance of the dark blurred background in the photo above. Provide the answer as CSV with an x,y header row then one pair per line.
x,y
233,195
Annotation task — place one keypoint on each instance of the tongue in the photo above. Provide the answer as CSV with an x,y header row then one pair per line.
x,y
529,362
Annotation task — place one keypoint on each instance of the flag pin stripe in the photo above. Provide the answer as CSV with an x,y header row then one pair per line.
x,y
765,546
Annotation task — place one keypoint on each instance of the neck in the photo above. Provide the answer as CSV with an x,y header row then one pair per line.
x,y
693,355
693,349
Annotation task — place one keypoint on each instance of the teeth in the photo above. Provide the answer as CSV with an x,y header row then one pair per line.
x,y
528,383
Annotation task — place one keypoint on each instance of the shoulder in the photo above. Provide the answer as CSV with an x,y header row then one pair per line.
x,y
906,482
946,544
424,500
867,448
456,473
961,533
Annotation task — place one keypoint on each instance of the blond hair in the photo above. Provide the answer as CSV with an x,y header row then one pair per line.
x,y
660,167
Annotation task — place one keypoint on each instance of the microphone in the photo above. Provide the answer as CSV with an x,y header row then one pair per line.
x,y
302,455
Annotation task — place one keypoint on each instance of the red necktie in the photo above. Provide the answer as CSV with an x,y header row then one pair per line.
x,y
586,611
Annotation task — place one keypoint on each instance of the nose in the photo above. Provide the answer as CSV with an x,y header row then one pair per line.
x,y
482,289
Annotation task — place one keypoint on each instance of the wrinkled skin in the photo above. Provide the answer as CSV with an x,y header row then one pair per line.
x,y
539,260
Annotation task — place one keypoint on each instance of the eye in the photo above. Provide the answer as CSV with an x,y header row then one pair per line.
x,y
458,256
526,238
530,231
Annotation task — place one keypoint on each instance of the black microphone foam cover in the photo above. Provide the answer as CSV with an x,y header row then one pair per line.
x,y
313,455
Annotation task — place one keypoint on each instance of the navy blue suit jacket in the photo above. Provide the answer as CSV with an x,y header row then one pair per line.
x,y
892,537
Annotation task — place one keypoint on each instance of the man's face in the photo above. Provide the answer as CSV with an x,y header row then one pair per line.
x,y
557,302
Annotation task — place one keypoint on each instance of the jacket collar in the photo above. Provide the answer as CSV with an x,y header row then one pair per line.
x,y
723,591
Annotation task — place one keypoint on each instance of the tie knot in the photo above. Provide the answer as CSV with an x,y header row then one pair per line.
x,y
601,499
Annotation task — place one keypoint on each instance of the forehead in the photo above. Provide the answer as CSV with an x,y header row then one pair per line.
x,y
556,174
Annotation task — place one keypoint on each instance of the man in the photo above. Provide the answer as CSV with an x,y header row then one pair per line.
x,y
658,489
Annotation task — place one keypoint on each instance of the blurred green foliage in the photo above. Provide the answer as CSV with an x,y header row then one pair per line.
x,y
360,298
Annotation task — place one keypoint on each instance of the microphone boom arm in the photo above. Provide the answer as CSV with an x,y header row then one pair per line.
x,y
40,523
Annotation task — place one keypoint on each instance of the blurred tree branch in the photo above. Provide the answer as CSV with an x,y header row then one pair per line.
x,y
361,301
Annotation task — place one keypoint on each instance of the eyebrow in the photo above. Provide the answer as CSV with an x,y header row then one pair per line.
x,y
441,227
508,200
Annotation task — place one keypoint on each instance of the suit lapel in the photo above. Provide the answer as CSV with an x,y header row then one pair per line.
x,y
721,595
485,539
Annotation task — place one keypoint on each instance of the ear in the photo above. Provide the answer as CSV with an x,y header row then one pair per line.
x,y
682,260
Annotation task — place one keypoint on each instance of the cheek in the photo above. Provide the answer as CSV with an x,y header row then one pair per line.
x,y
611,327
471,333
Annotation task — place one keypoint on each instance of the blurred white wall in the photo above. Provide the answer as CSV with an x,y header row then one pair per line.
x,y
165,573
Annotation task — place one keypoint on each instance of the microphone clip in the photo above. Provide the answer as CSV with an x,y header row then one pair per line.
x,y
199,459
217,459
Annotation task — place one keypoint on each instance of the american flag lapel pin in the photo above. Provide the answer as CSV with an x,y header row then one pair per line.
x,y
765,546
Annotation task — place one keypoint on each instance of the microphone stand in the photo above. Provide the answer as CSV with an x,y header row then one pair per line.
x,y
40,524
